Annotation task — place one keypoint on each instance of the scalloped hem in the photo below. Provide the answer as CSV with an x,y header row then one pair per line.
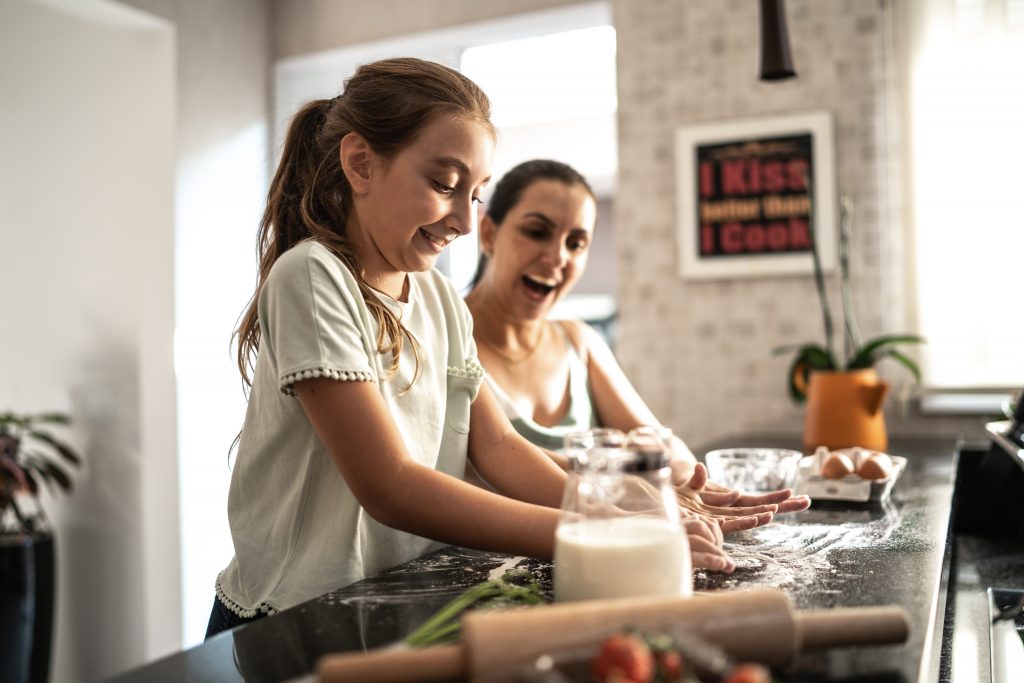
x,y
473,370
237,609
341,375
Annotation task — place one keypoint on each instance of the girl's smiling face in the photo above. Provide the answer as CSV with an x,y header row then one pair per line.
x,y
540,250
407,209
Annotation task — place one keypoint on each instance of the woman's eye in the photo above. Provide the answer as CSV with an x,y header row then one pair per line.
x,y
477,201
577,245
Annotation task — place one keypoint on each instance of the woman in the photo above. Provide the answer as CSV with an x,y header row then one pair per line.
x,y
554,377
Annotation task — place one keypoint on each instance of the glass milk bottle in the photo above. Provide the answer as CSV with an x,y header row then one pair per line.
x,y
620,534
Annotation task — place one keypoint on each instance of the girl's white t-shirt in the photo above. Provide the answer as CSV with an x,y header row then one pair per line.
x,y
298,530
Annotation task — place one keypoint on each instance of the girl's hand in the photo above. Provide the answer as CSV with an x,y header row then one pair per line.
x,y
705,538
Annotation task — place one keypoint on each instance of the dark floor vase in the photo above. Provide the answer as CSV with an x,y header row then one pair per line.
x,y
26,607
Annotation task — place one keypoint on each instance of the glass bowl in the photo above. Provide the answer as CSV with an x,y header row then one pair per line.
x,y
753,469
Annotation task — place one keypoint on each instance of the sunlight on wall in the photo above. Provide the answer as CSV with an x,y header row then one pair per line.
x,y
216,275
566,75
552,96
967,95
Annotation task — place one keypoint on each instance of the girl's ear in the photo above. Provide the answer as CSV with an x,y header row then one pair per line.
x,y
355,156
488,233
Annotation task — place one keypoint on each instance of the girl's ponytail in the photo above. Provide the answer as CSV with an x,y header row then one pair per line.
x,y
284,222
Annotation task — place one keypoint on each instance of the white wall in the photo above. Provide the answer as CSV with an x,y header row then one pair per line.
x,y
221,183
133,177
302,27
86,194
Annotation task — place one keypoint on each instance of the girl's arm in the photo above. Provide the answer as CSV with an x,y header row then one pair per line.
x,y
507,460
517,468
354,424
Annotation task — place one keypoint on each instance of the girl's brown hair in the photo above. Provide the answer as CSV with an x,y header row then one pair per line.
x,y
388,103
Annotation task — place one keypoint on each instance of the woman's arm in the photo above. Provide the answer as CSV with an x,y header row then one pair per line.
x,y
616,401
354,424
619,405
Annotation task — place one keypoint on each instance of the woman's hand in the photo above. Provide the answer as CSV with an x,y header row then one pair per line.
x,y
732,509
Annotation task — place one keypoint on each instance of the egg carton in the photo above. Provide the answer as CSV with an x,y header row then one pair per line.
x,y
852,487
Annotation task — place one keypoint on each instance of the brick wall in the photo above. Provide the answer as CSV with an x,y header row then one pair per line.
x,y
699,352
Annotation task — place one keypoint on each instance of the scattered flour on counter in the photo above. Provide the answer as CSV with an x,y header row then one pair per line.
x,y
500,570
784,554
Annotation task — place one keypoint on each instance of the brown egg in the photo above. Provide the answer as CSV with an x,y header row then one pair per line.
x,y
837,466
876,466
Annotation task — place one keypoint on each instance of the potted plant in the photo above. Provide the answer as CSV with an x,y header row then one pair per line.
x,y
31,457
843,393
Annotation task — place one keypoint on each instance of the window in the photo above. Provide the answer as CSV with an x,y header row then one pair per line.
x,y
965,88
553,77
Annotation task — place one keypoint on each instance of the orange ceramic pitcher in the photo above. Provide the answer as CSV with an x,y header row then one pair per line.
x,y
844,409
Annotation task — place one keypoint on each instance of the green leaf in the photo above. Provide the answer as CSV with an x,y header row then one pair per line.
x,y
40,467
59,476
33,487
7,419
51,418
906,362
818,357
809,357
868,355
61,447
795,392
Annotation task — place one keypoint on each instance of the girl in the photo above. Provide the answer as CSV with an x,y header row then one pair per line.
x,y
550,377
366,397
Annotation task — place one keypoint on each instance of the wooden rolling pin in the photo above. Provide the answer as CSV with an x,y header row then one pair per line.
x,y
755,625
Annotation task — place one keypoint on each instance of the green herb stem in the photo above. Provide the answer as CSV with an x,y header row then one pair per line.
x,y
444,626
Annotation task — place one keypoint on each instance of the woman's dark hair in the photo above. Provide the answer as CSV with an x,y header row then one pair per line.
x,y
513,184
388,103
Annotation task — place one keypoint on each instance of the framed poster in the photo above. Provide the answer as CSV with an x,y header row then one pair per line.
x,y
752,194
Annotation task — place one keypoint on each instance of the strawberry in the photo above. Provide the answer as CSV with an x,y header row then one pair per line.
x,y
670,664
749,673
624,659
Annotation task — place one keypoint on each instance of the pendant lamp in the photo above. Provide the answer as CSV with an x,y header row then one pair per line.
x,y
776,62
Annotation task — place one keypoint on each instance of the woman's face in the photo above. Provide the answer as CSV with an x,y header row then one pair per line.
x,y
540,249
414,204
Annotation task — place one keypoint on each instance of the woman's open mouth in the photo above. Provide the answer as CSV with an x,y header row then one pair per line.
x,y
537,289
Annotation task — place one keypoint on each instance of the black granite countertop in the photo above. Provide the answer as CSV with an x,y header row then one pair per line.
x,y
831,555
